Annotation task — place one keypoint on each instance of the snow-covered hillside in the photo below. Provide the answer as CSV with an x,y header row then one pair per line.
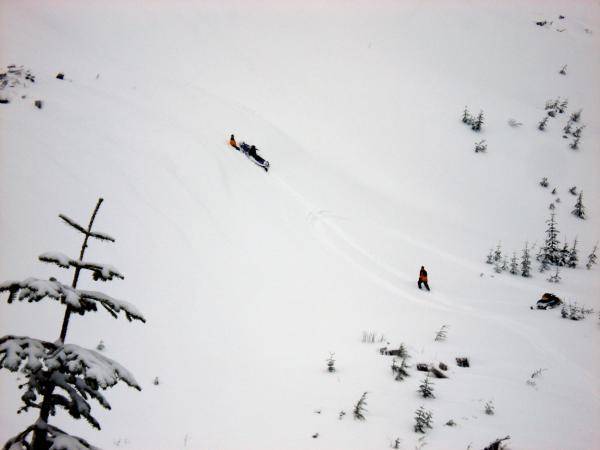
x,y
248,280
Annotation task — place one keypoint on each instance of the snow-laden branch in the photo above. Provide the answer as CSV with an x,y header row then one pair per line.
x,y
35,289
80,373
18,351
103,272
95,234
58,439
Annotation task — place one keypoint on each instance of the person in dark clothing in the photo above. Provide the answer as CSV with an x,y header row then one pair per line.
x,y
252,151
423,278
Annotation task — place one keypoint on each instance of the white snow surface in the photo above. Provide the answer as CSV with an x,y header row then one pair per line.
x,y
248,280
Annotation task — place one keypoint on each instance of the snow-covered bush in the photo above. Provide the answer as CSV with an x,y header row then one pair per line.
x,y
477,122
480,146
544,182
400,371
489,408
555,277
542,123
574,312
61,375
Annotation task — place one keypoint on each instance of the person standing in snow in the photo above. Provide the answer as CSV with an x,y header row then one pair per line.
x,y
423,278
233,143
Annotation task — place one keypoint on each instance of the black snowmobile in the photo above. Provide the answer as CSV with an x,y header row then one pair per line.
x,y
250,152
548,301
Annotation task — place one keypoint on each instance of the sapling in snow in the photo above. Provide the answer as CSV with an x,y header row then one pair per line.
x,y
100,347
544,183
576,116
441,334
514,266
490,257
480,146
555,277
573,259
61,375
331,363
466,117
542,123
525,262
578,130
579,209
400,370
423,420
563,70
489,408
359,409
426,388
573,190
592,258
477,122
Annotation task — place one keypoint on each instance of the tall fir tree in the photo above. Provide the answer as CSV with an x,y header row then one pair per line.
x,y
550,253
579,209
61,375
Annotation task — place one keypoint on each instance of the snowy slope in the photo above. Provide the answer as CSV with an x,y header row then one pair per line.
x,y
248,280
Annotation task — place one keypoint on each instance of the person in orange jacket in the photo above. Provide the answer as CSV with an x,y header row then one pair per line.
x,y
423,278
233,143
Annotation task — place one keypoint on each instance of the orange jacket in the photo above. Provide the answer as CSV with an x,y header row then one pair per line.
x,y
232,142
423,275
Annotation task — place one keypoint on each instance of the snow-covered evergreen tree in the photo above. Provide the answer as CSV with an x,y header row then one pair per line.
x,y
514,266
490,257
572,260
477,122
563,70
498,252
61,375
564,254
401,370
331,363
525,262
426,388
579,209
562,105
576,116
592,258
573,190
466,117
544,182
542,123
423,420
550,253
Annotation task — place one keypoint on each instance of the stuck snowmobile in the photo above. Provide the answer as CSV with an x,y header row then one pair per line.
x,y
250,152
548,301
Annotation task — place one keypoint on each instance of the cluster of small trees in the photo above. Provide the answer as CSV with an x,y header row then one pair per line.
x,y
552,253
515,266
553,107
572,129
475,122
578,210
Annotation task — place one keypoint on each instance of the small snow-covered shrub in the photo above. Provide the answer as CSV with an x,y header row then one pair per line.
x,y
544,183
426,388
489,408
359,409
330,363
574,312
442,334
480,146
423,420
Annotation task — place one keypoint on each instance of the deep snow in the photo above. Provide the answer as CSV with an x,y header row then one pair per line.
x,y
248,280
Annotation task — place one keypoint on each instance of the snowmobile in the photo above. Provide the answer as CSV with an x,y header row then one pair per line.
x,y
254,157
548,301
